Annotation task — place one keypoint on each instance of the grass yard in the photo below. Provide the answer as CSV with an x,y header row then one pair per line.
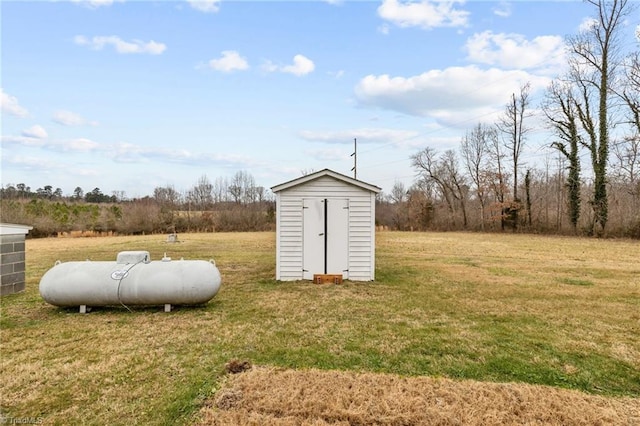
x,y
457,308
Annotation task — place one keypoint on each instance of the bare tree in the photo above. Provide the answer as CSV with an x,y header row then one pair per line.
x,y
560,184
426,164
627,155
512,126
475,148
456,182
220,190
420,206
559,107
444,172
429,169
119,195
201,194
630,91
627,151
398,197
527,190
593,56
243,187
261,194
497,177
167,195
398,192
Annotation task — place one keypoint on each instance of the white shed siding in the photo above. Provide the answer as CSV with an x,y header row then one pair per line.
x,y
361,237
289,239
290,226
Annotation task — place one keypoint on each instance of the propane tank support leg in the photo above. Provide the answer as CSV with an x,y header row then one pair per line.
x,y
167,307
84,309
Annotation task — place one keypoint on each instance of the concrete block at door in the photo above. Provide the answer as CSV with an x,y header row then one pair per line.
x,y
327,278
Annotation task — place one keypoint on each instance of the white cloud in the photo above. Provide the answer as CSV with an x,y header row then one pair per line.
x,y
515,51
230,61
10,105
502,9
34,163
426,14
79,145
36,137
301,66
36,132
68,118
384,29
365,135
588,24
121,46
94,4
466,118
206,6
125,152
23,140
450,95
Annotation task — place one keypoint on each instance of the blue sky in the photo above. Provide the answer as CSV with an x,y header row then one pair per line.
x,y
132,95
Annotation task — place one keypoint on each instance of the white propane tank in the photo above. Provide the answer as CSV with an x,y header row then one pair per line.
x,y
133,279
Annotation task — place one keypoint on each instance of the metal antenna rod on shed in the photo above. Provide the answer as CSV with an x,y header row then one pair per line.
x,y
355,158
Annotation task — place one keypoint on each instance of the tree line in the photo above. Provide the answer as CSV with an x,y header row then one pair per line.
x,y
593,111
22,191
226,204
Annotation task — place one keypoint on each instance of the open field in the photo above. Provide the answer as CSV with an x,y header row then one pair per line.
x,y
517,310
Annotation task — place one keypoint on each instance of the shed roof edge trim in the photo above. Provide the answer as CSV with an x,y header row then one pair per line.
x,y
325,172
14,229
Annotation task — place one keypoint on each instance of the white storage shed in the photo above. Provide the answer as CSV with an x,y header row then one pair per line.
x,y
325,224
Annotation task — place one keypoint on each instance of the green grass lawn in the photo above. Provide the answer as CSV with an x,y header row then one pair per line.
x,y
503,308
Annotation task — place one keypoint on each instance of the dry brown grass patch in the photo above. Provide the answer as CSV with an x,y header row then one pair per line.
x,y
270,396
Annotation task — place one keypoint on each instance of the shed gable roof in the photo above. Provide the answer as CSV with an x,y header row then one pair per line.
x,y
325,172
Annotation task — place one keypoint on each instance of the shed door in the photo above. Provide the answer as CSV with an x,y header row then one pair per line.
x,y
312,237
338,237
325,237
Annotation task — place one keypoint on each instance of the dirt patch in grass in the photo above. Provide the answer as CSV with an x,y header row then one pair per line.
x,y
270,396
